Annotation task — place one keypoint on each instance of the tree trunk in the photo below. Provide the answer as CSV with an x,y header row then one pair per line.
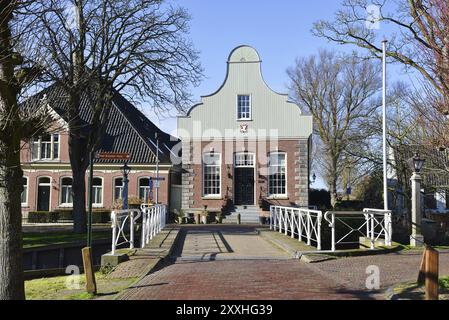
x,y
333,179
78,154
333,191
11,264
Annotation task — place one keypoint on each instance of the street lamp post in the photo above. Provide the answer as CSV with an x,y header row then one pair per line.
x,y
157,167
416,238
125,171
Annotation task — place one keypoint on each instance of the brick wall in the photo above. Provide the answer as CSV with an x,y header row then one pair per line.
x,y
297,171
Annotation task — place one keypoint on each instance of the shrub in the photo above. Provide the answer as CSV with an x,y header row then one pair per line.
x,y
60,216
101,216
39,217
321,199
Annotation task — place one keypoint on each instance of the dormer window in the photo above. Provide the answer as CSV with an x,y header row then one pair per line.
x,y
243,107
45,147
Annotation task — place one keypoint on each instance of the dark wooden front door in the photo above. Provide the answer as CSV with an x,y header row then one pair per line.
x,y
43,198
244,186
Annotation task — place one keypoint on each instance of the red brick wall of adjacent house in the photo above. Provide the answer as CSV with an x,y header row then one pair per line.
x,y
25,154
108,187
295,168
57,169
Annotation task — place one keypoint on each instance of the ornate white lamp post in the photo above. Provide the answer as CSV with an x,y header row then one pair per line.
x,y
416,239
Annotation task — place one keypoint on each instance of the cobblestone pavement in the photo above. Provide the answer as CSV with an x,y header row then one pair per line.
x,y
225,243
394,268
234,263
237,280
237,264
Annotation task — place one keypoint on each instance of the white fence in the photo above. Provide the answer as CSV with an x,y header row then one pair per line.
x,y
304,223
120,220
374,224
153,221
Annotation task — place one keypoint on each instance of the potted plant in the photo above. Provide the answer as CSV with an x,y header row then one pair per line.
x,y
197,218
204,216
179,216
263,218
219,218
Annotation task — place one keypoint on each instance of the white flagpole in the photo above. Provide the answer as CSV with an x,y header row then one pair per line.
x,y
384,109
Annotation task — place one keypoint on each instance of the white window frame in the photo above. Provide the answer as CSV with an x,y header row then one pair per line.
x,y
98,205
249,118
52,148
238,164
115,186
61,203
25,204
204,166
278,195
139,186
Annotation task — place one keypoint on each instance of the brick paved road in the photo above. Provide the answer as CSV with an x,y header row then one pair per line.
x,y
394,268
236,264
233,263
236,280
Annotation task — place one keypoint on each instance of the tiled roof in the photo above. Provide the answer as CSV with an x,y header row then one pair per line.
x,y
128,129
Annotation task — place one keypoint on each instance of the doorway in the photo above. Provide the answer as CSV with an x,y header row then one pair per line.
x,y
43,194
244,168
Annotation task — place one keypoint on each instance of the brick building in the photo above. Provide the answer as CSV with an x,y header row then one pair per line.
x,y
45,160
245,146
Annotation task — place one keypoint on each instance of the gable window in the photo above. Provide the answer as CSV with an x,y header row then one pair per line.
x,y
24,195
243,107
45,147
144,189
118,188
211,174
277,174
66,192
97,193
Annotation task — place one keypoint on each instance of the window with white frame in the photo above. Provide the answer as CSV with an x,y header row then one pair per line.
x,y
211,174
144,189
118,188
66,191
97,194
244,107
243,160
45,147
24,195
277,174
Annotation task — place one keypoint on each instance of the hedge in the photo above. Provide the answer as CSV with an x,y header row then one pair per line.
x,y
59,216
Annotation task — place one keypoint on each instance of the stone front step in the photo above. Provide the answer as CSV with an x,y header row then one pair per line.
x,y
248,214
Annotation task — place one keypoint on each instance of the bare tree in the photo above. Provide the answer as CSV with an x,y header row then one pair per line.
x,y
418,39
16,124
97,48
339,92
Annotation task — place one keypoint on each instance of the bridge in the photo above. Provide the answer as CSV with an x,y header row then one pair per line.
x,y
252,261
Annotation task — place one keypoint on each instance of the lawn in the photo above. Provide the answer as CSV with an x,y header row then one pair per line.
x,y
66,288
412,291
32,240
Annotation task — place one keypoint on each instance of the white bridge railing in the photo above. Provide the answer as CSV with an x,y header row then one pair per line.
x,y
153,221
121,219
374,224
304,223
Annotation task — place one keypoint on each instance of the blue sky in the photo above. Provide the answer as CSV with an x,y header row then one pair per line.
x,y
279,30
